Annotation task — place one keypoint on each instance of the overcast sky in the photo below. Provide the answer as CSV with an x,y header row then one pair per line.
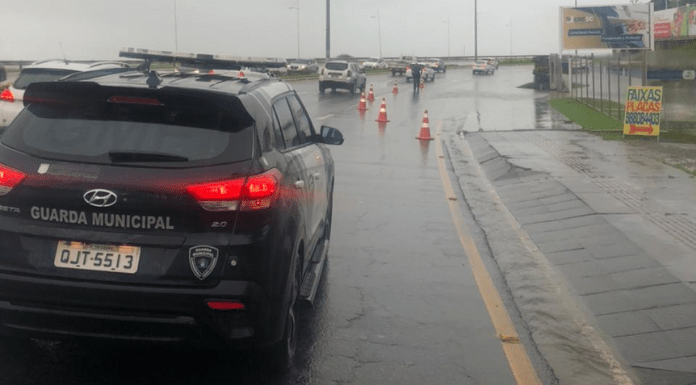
x,y
97,29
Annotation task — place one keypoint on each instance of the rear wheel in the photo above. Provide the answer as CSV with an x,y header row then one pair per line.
x,y
281,355
352,89
321,88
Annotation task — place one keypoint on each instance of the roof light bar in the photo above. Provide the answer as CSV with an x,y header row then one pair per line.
x,y
205,61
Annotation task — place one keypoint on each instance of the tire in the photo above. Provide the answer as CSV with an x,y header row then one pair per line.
x,y
321,88
280,356
393,73
352,89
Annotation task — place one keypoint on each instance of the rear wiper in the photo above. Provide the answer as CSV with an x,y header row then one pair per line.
x,y
132,156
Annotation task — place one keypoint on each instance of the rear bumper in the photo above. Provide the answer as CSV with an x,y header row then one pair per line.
x,y
337,83
42,308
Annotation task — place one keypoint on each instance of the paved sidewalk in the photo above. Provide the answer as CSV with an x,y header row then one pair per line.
x,y
620,225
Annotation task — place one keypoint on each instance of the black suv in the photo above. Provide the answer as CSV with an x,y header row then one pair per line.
x,y
182,206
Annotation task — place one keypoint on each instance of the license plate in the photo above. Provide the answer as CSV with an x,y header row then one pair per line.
x,y
88,256
335,75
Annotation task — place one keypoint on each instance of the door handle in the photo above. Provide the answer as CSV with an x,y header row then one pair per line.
x,y
299,184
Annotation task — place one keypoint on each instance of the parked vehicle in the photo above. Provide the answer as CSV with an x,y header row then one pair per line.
x,y
399,66
375,63
342,74
180,207
43,71
437,64
308,66
492,62
427,72
483,67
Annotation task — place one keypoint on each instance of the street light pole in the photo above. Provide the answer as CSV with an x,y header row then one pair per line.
x,y
448,35
298,26
298,29
379,32
176,33
475,32
328,29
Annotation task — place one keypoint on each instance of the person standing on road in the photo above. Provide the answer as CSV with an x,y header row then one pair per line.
x,y
415,74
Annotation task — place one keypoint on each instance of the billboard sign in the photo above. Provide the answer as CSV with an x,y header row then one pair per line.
x,y
642,111
606,27
675,22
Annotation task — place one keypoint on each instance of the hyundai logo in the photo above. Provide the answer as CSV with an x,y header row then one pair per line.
x,y
100,198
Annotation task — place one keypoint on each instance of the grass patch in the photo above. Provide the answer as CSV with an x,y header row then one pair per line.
x,y
586,117
610,128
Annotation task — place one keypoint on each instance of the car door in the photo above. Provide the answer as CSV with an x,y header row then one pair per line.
x,y
313,159
299,177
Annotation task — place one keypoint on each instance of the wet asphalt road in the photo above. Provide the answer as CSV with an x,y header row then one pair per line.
x,y
398,302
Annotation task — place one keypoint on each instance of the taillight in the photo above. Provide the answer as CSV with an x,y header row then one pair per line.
x,y
245,194
9,178
225,305
6,95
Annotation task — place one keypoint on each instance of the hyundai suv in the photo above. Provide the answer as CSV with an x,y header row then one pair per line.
x,y
164,207
341,74
43,71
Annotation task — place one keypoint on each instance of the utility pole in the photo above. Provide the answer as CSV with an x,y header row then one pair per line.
x,y
176,33
475,32
328,29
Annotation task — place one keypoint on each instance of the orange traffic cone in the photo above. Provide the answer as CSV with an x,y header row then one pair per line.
x,y
425,128
422,83
362,106
395,90
371,94
383,112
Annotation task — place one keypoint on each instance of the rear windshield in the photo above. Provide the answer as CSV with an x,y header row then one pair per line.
x,y
336,66
107,132
34,75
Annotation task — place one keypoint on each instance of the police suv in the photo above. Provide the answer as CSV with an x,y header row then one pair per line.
x,y
166,207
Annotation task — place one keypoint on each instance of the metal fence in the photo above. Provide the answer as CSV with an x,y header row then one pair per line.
x,y
601,82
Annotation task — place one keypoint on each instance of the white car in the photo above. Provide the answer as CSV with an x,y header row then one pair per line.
x,y
427,73
342,74
12,97
483,67
375,63
308,66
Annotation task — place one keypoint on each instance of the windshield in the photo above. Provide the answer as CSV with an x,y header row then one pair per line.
x,y
96,131
336,66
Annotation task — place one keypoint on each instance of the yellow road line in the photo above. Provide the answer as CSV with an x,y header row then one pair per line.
x,y
517,357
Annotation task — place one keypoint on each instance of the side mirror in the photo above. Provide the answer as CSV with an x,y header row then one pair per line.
x,y
330,135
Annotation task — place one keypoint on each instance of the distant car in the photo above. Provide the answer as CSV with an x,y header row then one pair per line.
x,y
427,72
375,63
309,66
437,64
45,71
492,62
483,67
341,74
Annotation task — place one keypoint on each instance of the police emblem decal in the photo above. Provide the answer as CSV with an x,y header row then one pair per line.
x,y
203,260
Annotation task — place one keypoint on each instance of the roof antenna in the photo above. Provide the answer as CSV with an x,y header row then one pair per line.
x,y
63,51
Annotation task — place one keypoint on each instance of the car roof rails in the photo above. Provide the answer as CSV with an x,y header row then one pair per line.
x,y
202,61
